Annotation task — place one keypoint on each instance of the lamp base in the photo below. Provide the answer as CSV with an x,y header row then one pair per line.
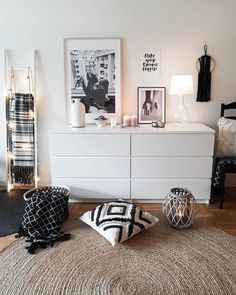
x,y
183,124
181,113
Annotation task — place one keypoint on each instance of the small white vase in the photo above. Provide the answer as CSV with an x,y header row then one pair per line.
x,y
77,113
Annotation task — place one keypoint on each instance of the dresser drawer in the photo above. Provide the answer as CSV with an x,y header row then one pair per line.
x,y
172,144
171,167
90,144
96,188
90,167
158,188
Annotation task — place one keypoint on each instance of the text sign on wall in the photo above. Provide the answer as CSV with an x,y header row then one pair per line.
x,y
151,62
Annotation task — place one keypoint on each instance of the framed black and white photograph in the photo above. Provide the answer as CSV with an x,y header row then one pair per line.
x,y
92,74
151,104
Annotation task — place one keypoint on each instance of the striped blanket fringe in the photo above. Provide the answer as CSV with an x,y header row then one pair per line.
x,y
44,212
21,141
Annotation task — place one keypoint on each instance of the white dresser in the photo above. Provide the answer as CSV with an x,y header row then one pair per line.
x,y
141,163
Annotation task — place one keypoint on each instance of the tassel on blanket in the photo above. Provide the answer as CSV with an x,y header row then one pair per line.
x,y
23,175
41,241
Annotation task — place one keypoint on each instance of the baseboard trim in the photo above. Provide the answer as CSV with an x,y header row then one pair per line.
x,y
42,182
3,182
143,201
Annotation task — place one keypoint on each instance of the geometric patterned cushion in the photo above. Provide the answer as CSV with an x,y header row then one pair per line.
x,y
118,221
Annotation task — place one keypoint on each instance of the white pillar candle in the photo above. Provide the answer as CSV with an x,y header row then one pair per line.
x,y
126,120
134,120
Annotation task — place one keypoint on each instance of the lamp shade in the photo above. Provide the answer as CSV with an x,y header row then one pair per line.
x,y
181,84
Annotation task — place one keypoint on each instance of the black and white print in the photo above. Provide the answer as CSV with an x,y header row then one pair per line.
x,y
93,75
93,79
151,104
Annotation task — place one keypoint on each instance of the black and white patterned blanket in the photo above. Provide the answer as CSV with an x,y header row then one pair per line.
x,y
21,139
45,210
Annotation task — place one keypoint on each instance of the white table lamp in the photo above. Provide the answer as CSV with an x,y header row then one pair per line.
x,y
180,85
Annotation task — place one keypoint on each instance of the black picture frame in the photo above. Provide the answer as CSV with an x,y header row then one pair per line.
x,y
151,104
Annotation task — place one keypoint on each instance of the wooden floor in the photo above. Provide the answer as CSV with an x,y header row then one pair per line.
x,y
224,219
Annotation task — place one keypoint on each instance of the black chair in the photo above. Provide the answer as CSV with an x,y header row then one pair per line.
x,y
224,165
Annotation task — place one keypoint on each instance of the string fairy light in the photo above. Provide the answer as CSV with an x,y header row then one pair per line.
x,y
11,156
26,146
31,114
11,125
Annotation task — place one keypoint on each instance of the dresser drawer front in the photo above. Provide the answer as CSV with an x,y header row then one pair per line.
x,y
90,167
94,188
90,144
172,144
171,167
158,188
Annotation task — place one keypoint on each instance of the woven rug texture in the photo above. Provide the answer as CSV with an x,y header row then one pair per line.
x,y
161,260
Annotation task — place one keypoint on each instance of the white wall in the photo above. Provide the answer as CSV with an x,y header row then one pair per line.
x,y
180,28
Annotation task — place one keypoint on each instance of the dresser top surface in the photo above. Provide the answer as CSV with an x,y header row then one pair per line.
x,y
169,128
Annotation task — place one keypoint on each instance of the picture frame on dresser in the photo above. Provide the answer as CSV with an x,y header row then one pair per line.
x,y
92,73
151,104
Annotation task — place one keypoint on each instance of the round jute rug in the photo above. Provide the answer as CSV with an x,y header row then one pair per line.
x,y
162,260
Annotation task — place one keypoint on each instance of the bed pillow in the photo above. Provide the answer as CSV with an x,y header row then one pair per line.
x,y
226,146
118,221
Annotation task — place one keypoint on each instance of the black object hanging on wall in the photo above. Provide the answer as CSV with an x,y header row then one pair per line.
x,y
205,66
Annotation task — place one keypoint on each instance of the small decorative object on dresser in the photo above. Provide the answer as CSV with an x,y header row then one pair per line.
x,y
126,121
179,207
130,121
77,113
158,124
113,122
151,104
101,121
134,121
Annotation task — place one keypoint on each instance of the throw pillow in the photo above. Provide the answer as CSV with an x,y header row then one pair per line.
x,y
226,138
118,221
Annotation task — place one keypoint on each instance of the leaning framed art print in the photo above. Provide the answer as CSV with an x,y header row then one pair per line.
x,y
151,104
92,74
